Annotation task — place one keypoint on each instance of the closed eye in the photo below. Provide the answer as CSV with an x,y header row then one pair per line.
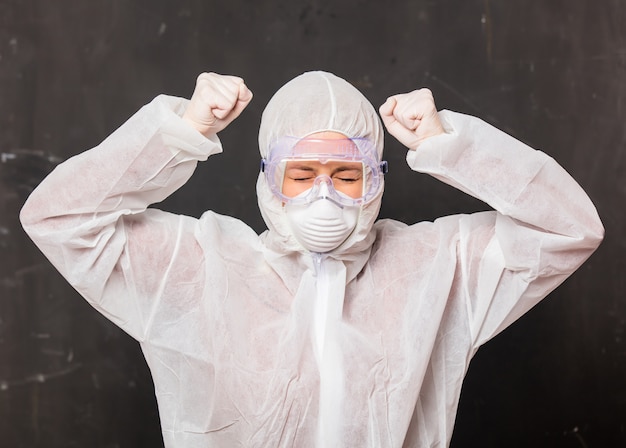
x,y
300,174
348,175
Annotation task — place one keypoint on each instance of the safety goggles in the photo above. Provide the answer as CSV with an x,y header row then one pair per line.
x,y
303,170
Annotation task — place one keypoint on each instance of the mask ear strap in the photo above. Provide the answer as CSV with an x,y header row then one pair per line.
x,y
384,167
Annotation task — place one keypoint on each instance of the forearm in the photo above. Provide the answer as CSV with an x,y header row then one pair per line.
x,y
514,179
142,162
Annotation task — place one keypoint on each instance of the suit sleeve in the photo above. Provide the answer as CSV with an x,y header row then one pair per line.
x,y
543,227
90,216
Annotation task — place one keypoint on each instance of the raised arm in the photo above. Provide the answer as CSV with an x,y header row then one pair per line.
x,y
91,213
544,226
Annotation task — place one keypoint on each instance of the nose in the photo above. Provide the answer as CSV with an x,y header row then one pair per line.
x,y
323,188
324,184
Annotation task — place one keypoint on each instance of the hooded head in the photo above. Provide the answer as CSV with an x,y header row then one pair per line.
x,y
311,103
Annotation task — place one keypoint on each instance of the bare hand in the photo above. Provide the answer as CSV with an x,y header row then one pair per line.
x,y
216,101
411,117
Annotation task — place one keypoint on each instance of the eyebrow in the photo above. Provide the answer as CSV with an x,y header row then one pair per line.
x,y
305,167
300,167
347,168
339,169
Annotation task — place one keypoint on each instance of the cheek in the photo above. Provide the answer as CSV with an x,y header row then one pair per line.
x,y
354,190
287,189
291,189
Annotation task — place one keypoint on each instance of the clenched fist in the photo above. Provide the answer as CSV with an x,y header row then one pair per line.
x,y
411,117
216,101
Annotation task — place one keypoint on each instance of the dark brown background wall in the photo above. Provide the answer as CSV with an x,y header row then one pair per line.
x,y
551,73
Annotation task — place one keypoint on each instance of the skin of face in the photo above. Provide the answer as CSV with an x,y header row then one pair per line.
x,y
347,177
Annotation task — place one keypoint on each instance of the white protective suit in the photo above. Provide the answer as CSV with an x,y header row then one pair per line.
x,y
254,342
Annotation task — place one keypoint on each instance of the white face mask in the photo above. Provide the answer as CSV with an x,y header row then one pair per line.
x,y
322,225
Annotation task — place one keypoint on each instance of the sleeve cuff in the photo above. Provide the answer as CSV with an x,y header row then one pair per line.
x,y
181,137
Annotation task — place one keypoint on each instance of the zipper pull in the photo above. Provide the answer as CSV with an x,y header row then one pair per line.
x,y
317,262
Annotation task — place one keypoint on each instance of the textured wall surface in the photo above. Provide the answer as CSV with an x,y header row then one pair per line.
x,y
553,74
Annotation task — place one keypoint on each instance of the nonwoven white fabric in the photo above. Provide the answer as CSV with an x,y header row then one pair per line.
x,y
251,340
315,102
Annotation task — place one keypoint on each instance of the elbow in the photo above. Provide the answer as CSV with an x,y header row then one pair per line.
x,y
596,236
585,240
594,233
33,215
28,215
